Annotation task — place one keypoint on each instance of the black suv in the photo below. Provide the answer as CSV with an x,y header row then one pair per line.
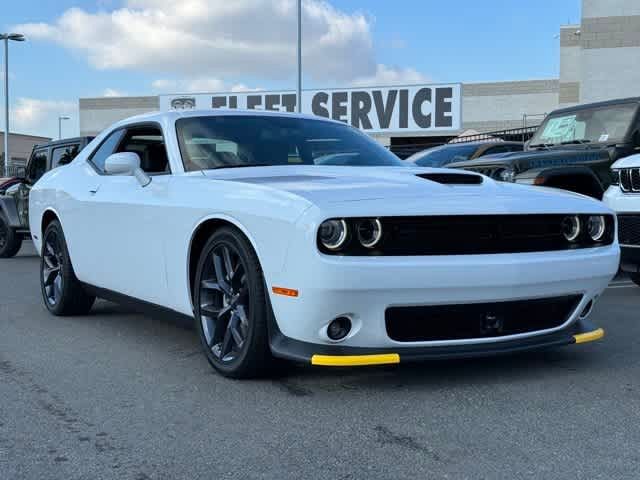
x,y
14,195
572,149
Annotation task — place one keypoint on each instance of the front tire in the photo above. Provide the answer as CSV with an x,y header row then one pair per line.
x,y
635,278
10,241
231,306
62,292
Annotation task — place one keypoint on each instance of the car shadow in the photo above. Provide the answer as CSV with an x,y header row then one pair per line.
x,y
302,380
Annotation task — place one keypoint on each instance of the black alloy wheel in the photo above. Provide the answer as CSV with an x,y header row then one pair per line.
x,y
62,292
52,280
231,306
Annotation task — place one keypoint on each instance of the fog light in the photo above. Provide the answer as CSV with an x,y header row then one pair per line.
x,y
339,328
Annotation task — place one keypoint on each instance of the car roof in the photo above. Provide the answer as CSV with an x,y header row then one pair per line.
x,y
63,141
587,106
174,115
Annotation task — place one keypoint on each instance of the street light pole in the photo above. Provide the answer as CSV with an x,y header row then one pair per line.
x,y
60,118
17,38
299,95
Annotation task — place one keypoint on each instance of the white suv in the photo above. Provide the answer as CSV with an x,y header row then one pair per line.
x,y
623,196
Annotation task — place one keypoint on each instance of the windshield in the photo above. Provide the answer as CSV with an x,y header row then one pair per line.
x,y
244,140
604,124
440,156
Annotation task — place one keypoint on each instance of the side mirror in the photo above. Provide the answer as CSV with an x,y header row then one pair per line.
x,y
126,164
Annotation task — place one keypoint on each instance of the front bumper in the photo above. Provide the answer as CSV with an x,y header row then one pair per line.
x,y
582,331
363,289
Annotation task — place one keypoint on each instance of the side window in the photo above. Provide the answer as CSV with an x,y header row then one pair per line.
x,y
148,143
105,149
498,149
64,155
37,165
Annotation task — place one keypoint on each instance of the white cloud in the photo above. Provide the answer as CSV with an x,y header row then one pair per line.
x,y
40,117
111,92
386,75
218,38
197,85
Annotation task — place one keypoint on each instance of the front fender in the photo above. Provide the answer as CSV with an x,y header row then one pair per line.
x,y
10,211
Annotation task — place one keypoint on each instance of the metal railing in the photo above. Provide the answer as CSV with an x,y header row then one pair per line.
x,y
509,135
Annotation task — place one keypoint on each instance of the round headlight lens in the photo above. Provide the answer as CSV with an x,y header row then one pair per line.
x,y
369,232
596,227
507,175
571,228
333,234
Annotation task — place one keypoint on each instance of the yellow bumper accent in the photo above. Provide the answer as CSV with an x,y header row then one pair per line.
x,y
354,360
589,336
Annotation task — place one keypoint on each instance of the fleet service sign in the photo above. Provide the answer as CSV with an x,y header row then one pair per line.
x,y
389,110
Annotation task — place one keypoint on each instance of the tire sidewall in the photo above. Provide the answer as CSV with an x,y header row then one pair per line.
x,y
64,267
13,243
257,303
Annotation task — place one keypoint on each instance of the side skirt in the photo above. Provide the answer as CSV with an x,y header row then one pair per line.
x,y
141,306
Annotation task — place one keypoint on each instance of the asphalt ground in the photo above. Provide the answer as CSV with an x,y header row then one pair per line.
x,y
122,395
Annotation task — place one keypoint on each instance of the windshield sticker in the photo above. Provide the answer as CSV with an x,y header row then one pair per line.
x,y
560,129
604,137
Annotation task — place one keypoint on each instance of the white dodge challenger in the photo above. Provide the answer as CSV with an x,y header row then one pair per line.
x,y
294,237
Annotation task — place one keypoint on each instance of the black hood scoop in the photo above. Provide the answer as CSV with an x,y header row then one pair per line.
x,y
452,178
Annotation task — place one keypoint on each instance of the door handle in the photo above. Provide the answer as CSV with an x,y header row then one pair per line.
x,y
94,190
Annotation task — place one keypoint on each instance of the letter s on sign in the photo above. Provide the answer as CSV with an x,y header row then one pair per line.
x,y
319,104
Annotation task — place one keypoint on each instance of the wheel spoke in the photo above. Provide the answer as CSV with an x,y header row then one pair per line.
x,y
50,274
235,331
241,313
227,263
209,310
221,276
50,250
226,343
57,288
211,285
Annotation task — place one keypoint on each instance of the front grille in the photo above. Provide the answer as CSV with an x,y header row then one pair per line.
x,y
475,234
630,180
629,229
478,320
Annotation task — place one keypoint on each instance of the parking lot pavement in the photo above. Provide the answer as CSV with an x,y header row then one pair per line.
x,y
120,395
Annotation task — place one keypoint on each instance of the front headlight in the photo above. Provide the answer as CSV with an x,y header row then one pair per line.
x,y
333,234
507,175
596,227
571,228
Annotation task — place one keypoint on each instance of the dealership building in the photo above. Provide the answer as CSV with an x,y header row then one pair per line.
x,y
598,61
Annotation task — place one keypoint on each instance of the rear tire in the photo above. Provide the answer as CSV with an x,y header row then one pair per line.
x,y
231,306
635,278
62,292
10,241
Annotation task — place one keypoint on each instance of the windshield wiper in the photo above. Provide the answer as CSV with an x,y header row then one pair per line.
x,y
576,142
241,165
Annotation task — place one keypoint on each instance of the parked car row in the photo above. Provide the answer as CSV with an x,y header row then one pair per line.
x,y
301,238
14,192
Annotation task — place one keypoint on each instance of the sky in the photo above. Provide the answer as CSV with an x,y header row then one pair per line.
x,y
93,48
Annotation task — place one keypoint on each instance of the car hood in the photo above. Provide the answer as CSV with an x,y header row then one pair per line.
x,y
404,190
536,158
